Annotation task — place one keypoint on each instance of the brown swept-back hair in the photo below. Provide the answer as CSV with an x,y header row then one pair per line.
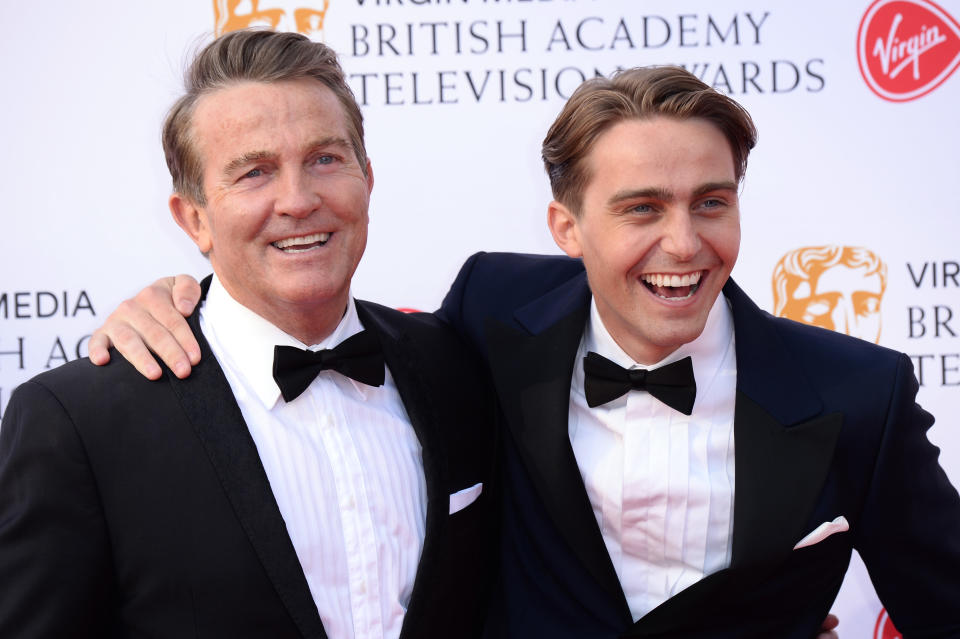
x,y
640,93
252,55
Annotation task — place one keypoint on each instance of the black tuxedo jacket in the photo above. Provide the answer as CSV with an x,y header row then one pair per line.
x,y
825,425
131,508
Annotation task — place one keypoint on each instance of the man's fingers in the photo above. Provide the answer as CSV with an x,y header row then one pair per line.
x,y
98,349
187,343
163,327
132,330
126,340
151,322
185,294
118,333
827,628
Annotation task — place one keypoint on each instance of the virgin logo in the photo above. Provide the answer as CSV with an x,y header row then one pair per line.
x,y
884,628
907,48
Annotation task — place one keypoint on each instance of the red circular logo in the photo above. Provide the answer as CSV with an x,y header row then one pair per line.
x,y
907,48
884,628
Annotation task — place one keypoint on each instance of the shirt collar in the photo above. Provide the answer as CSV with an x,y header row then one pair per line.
x,y
247,340
707,351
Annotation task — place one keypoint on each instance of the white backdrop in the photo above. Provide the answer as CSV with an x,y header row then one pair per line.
x,y
458,95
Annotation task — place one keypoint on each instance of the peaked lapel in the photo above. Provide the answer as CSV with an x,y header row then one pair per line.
x,y
784,447
784,444
532,364
404,359
210,407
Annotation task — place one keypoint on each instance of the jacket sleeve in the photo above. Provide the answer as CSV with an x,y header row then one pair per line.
x,y
56,575
451,309
910,528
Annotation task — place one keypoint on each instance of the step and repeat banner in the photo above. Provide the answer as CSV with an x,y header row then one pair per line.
x,y
850,210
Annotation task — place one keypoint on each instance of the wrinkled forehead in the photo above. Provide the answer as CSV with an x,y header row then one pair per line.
x,y
266,117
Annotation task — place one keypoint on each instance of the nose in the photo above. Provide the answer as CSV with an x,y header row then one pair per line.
x,y
680,236
297,195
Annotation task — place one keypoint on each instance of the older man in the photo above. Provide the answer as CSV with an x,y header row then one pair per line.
x,y
677,462
321,473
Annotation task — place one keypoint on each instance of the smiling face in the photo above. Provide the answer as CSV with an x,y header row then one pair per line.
x,y
285,219
658,230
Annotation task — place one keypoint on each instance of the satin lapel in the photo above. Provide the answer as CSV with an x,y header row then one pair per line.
x,y
209,405
780,472
784,445
532,369
405,364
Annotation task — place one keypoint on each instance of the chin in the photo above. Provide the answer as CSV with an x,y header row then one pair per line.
x,y
678,338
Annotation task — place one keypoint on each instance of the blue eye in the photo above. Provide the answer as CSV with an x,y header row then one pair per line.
x,y
642,208
254,173
325,159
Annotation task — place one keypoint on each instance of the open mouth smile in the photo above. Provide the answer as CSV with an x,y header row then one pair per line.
x,y
670,286
302,243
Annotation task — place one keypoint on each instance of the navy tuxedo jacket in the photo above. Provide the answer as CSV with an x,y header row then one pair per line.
x,y
136,508
825,425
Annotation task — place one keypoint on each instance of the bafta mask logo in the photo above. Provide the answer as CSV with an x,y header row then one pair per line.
x,y
836,287
231,15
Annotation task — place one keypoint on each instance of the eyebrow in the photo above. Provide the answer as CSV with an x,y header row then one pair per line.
x,y
659,193
653,192
714,186
247,158
330,140
259,156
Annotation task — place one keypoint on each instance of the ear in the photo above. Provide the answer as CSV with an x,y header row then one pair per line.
x,y
193,220
369,176
565,228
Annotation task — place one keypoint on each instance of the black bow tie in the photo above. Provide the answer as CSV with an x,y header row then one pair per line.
x,y
358,357
673,384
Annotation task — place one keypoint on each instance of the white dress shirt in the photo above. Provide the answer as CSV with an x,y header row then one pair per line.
x,y
661,482
344,465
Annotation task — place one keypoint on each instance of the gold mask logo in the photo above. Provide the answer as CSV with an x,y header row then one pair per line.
x,y
232,15
836,287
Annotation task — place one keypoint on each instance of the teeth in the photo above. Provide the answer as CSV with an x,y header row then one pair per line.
x,y
662,279
300,241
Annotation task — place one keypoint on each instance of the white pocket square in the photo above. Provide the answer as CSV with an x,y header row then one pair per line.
x,y
463,498
823,531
